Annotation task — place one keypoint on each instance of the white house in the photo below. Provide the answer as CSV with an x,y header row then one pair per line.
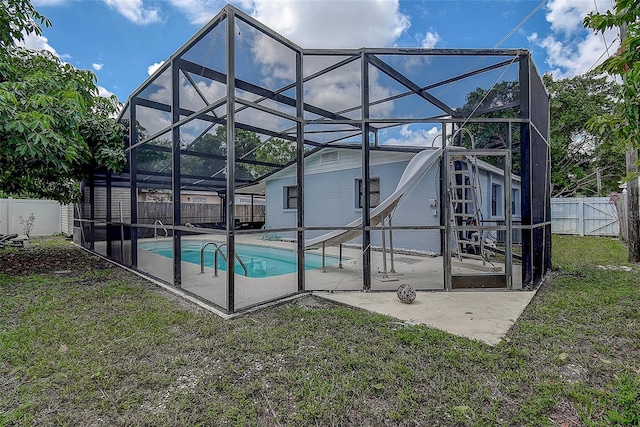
x,y
333,192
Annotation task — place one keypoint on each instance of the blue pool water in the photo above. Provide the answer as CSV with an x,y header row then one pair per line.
x,y
261,261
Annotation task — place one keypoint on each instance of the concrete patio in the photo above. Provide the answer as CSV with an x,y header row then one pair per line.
x,y
481,315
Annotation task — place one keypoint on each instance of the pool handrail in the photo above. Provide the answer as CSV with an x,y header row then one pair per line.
x,y
155,230
202,255
215,258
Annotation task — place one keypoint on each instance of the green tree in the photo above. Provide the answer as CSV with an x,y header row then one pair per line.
x,y
54,128
623,125
277,151
496,102
582,163
248,148
17,18
209,144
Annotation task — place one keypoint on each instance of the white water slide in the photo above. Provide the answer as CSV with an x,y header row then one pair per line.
x,y
415,170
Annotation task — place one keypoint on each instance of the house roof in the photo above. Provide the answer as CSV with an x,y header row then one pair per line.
x,y
347,159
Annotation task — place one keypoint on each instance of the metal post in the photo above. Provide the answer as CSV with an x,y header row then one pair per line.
x,y
300,172
366,185
175,174
547,197
92,212
133,184
340,255
231,157
446,218
223,212
508,213
385,275
77,209
324,269
121,232
526,174
393,269
108,232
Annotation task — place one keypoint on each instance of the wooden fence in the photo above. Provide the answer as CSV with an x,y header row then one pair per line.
x,y
196,213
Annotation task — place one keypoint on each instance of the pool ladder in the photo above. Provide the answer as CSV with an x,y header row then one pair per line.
x,y
215,258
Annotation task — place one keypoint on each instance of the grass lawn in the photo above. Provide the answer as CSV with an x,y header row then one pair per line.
x,y
85,343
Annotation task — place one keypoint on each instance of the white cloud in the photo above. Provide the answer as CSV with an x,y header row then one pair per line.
x,y
430,40
568,58
135,11
421,137
154,121
104,92
571,49
153,67
198,12
319,24
340,89
323,24
35,42
97,66
334,24
565,16
311,24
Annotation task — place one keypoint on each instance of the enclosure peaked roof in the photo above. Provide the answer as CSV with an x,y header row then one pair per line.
x,y
235,72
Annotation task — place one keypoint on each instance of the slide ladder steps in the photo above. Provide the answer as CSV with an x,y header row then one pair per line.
x,y
465,207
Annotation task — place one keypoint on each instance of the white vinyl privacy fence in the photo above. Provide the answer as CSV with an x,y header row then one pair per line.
x,y
46,212
584,216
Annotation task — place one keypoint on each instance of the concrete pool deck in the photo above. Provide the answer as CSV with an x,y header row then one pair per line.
x,y
485,315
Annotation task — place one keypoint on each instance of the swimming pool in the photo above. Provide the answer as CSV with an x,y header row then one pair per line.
x,y
261,261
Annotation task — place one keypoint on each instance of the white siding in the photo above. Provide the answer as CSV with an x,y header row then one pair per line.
x,y
66,219
118,195
330,197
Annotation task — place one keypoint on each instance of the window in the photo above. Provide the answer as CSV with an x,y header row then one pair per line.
x,y
515,202
374,192
330,157
291,197
496,194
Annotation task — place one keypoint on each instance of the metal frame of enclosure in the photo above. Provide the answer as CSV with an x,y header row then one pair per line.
x,y
235,73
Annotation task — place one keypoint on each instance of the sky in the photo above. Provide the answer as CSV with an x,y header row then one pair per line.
x,y
123,41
